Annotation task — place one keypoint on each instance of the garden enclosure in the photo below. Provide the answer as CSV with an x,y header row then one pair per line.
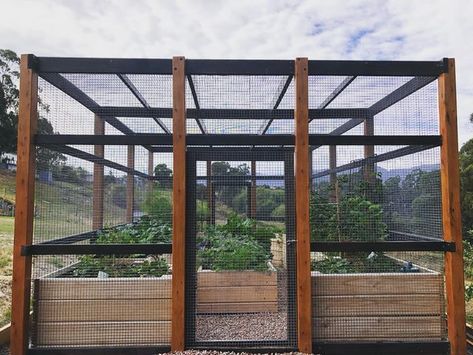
x,y
265,205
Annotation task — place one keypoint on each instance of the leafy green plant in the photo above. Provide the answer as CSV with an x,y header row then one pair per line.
x,y
89,266
147,230
158,206
333,265
234,246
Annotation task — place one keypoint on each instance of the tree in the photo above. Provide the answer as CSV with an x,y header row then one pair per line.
x,y
9,95
162,171
9,101
466,183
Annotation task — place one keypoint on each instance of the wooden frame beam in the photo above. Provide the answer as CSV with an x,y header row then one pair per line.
x,y
178,204
451,214
304,292
24,211
98,182
130,184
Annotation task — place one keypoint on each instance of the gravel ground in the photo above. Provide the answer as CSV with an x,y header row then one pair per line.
x,y
257,326
212,352
4,350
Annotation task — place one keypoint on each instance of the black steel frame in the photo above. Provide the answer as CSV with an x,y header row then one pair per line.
x,y
423,73
191,231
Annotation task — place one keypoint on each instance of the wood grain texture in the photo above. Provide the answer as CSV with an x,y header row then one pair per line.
x,y
98,182
304,321
179,204
368,172
130,184
373,307
103,333
376,284
378,305
24,208
451,214
377,328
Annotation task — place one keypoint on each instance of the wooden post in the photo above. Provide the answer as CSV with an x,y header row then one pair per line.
x,y
452,231
24,211
253,190
130,185
369,151
179,204
98,183
304,295
332,163
150,171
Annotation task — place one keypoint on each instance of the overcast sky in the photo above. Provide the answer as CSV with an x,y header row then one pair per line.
x,y
388,29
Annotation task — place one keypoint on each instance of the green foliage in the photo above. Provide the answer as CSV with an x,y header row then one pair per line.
x,y
279,211
162,171
89,266
147,230
355,263
158,206
361,220
468,258
466,180
355,219
333,265
9,100
234,246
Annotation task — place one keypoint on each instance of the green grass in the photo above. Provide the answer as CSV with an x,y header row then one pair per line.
x,y
6,246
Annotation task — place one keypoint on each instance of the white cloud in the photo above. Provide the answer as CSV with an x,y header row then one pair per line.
x,y
392,29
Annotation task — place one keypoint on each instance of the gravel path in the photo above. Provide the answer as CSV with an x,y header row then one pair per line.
x,y
256,326
212,352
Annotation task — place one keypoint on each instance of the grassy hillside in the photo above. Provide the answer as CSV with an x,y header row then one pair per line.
x,y
61,209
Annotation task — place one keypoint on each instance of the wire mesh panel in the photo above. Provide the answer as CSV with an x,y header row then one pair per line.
x,y
240,276
377,294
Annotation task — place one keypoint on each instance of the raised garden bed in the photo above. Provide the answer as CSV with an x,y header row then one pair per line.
x,y
137,311
378,307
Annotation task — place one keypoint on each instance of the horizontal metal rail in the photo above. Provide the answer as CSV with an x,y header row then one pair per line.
x,y
232,114
234,139
95,249
382,246
236,67
382,347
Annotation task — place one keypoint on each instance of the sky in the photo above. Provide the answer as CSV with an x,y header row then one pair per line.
x,y
250,29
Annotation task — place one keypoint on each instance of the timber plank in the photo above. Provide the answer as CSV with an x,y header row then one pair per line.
x,y
237,294
236,278
377,305
377,284
103,333
377,328
103,310
118,288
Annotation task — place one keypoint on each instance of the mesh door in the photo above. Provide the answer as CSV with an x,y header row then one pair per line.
x,y
241,271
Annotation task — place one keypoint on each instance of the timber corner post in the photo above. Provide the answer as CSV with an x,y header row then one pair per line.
x,y
304,292
179,204
450,180
25,180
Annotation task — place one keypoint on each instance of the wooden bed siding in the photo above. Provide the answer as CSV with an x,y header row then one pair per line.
x,y
375,307
137,311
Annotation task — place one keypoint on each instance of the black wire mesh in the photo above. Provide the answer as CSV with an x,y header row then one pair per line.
x,y
240,279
